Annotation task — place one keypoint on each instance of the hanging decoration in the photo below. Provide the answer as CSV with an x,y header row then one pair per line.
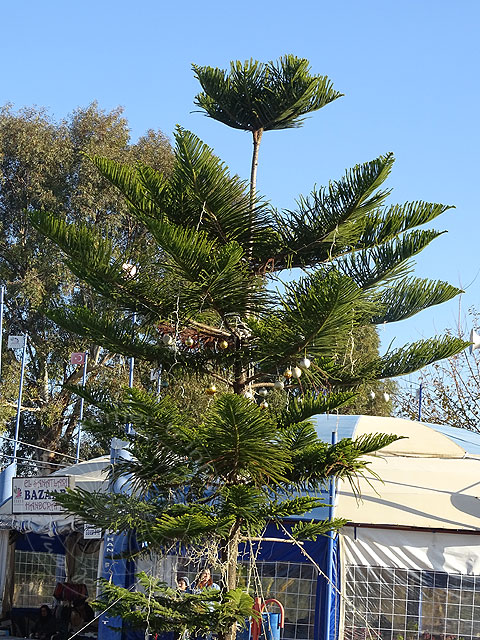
x,y
167,339
296,372
211,390
288,373
189,342
278,385
223,344
264,404
304,363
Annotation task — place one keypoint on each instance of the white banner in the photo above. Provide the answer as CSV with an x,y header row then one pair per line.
x,y
16,342
92,533
37,495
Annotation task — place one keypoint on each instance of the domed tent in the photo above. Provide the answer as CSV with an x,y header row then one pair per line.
x,y
410,555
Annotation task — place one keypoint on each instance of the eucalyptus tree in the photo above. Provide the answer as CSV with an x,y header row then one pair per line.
x,y
43,165
204,304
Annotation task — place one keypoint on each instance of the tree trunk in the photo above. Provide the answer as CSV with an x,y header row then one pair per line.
x,y
257,137
231,577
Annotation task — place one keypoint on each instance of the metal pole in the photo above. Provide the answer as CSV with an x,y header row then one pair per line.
x,y
329,568
159,379
80,417
128,426
2,306
420,402
20,391
114,563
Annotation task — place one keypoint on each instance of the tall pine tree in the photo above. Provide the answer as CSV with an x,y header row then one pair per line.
x,y
205,303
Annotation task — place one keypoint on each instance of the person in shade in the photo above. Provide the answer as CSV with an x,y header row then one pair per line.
x,y
46,625
204,581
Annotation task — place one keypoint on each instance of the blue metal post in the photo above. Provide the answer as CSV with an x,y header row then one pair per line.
x,y
128,426
329,568
20,392
2,306
116,567
80,417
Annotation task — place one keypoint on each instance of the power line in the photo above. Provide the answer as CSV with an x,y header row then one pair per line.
x,y
28,444
48,464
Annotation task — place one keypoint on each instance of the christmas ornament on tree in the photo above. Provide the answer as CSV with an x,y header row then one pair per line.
x,y
189,342
288,373
278,385
263,392
130,270
249,395
304,363
211,390
263,405
223,344
296,372
167,339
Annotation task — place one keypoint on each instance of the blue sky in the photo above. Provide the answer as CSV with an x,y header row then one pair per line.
x,y
409,72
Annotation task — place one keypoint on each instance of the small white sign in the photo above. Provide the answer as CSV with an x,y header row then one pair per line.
x,y
155,374
16,342
91,533
37,495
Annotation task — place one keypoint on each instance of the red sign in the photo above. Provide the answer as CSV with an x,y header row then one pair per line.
x,y
77,358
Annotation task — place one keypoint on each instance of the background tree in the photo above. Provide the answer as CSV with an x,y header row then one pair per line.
x,y
450,389
43,166
206,303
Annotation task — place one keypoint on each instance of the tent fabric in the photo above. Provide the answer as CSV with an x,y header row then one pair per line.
x,y
424,480
415,550
418,438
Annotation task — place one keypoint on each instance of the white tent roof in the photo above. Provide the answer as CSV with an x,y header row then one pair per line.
x,y
90,475
430,479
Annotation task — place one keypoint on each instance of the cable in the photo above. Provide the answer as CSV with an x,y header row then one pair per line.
x,y
28,444
48,464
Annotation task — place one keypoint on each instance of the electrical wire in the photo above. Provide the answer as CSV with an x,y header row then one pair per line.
x,y
48,464
28,444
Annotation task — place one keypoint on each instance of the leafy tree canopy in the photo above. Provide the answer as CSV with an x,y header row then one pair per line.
x,y
43,166
207,299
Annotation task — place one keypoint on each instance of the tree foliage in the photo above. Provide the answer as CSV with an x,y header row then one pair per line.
x,y
209,301
450,390
43,166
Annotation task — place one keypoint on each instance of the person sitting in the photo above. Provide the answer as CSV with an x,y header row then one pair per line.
x,y
46,625
204,581
183,584
81,615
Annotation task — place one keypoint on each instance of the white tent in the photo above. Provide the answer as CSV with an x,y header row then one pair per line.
x,y
410,555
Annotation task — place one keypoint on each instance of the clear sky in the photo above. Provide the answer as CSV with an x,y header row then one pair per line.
x,y
409,70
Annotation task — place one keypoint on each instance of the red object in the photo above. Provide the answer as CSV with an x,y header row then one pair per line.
x,y
70,591
280,605
256,625
77,358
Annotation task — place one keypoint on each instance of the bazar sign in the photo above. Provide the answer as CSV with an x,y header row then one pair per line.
x,y
37,495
